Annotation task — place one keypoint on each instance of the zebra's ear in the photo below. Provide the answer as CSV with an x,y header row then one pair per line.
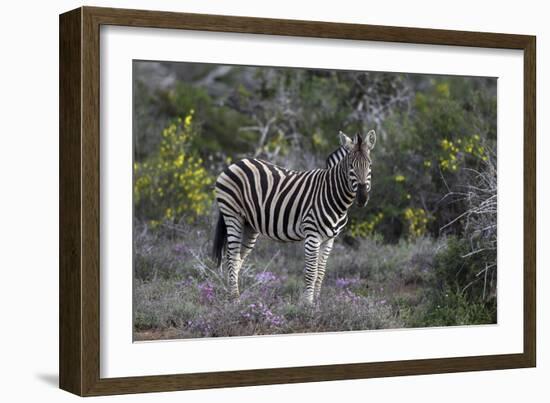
x,y
345,141
371,139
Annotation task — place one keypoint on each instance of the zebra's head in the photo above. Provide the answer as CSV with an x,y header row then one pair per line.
x,y
359,161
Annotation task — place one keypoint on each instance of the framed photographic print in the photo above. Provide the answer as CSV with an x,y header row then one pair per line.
x,y
249,201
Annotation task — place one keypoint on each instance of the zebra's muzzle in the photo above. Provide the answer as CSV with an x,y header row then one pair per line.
x,y
362,196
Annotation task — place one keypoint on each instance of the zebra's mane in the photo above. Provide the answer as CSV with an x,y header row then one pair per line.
x,y
336,156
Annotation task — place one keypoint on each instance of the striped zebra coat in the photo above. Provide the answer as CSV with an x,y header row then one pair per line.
x,y
256,197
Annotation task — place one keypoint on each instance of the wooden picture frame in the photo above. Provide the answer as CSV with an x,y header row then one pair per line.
x,y
79,349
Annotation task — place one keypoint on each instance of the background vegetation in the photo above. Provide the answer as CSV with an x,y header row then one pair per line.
x,y
422,253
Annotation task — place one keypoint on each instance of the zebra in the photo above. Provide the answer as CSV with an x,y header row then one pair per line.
x,y
256,197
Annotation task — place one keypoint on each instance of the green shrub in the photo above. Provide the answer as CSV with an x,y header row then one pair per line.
x,y
458,294
450,308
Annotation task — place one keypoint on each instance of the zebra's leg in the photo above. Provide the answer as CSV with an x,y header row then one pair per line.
x,y
248,241
311,248
235,226
324,253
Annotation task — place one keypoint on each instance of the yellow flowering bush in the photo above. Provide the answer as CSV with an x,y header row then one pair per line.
x,y
362,229
173,182
443,90
453,152
417,220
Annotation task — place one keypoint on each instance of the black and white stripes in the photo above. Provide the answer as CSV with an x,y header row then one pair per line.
x,y
255,197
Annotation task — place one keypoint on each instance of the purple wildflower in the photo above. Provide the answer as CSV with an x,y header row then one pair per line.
x,y
206,292
202,326
260,313
266,277
347,296
186,282
346,282
179,248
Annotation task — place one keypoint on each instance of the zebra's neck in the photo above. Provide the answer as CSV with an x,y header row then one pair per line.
x,y
336,156
340,187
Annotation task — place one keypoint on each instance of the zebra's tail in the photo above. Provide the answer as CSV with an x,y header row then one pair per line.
x,y
220,238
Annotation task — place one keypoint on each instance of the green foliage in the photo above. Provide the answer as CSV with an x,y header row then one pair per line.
x,y
451,308
460,310
458,269
157,109
219,124
367,227
449,128
458,294
173,183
